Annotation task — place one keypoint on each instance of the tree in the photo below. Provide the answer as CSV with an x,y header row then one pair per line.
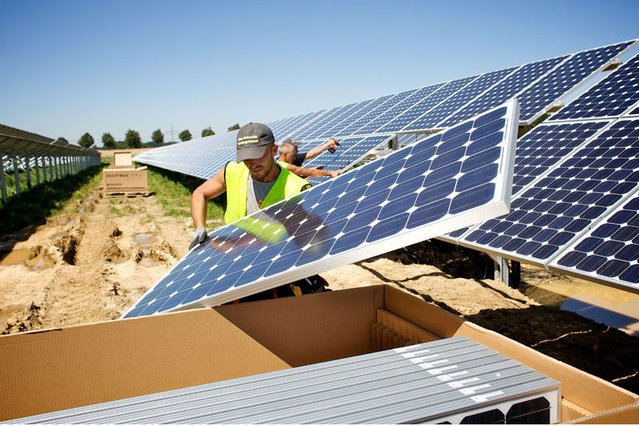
x,y
108,142
86,140
132,139
236,126
207,132
185,135
61,141
157,137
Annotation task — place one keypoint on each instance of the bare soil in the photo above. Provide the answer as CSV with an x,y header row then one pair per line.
x,y
92,266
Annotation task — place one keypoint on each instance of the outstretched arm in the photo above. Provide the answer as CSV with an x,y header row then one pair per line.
x,y
310,172
331,143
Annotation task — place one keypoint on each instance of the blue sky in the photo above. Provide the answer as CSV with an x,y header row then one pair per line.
x,y
70,67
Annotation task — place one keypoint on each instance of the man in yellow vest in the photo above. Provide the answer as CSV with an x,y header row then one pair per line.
x,y
255,181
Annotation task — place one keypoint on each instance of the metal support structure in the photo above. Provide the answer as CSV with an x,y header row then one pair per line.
x,y
36,163
16,173
515,274
56,166
3,181
27,170
502,270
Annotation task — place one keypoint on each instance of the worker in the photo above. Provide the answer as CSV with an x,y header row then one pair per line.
x,y
293,159
251,183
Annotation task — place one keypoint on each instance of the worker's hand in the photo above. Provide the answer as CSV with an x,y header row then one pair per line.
x,y
335,173
199,237
332,144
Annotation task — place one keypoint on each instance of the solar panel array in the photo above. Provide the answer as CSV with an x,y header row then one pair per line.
x,y
452,380
574,183
452,179
538,85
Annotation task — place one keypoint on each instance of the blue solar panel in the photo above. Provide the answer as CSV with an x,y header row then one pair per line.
x,y
441,183
556,209
427,118
611,97
396,122
296,125
610,251
538,98
634,112
546,145
325,120
198,157
338,128
336,122
372,114
505,90
416,97
351,151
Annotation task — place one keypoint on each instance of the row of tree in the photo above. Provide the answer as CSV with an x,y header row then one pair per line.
x,y
132,138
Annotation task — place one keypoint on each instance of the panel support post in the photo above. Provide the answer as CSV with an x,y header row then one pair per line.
x,y
3,181
27,170
16,173
502,270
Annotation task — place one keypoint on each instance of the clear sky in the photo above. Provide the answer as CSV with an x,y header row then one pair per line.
x,y
70,67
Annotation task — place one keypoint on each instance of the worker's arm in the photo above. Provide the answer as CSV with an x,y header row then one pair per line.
x,y
212,188
331,143
310,172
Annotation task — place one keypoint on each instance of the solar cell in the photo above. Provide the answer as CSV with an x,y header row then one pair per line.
x,y
337,121
324,120
557,84
609,252
382,107
558,208
426,118
394,122
546,145
444,182
418,96
296,125
611,97
504,90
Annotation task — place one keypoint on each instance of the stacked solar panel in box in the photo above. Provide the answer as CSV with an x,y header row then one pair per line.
x,y
453,380
444,182
611,97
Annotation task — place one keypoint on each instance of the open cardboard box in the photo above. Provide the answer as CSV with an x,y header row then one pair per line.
x,y
62,368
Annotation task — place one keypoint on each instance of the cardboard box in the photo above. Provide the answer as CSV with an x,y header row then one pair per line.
x,y
122,159
125,181
75,366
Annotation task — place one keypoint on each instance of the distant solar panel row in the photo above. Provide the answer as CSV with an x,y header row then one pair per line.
x,y
538,85
448,180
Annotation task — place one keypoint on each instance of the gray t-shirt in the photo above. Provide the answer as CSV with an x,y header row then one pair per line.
x,y
256,194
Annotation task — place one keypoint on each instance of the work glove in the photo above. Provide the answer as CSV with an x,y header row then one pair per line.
x,y
199,237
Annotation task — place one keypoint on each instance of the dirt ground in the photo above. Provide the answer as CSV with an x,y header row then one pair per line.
x,y
91,266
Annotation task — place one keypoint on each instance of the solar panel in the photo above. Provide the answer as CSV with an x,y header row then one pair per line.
x,y
444,182
324,120
504,90
335,123
451,380
417,97
611,97
372,114
557,84
394,122
198,157
427,118
339,128
634,112
546,146
291,128
608,252
558,208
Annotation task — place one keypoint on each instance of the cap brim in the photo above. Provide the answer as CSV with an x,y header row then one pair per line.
x,y
250,153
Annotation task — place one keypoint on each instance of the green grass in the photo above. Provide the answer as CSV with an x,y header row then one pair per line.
x,y
33,206
173,192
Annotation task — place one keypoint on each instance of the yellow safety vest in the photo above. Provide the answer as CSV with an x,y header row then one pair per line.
x,y
236,176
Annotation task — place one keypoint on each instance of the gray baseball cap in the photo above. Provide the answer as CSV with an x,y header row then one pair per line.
x,y
252,140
